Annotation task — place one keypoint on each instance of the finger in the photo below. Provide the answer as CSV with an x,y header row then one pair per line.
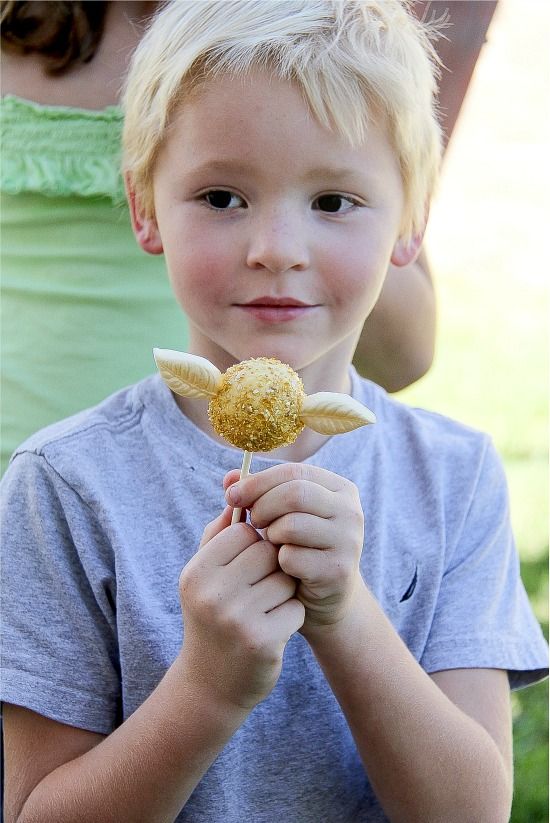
x,y
293,496
216,526
231,477
304,529
306,564
246,491
273,591
313,567
239,514
286,619
227,544
256,562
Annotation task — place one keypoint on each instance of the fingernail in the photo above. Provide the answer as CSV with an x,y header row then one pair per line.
x,y
232,495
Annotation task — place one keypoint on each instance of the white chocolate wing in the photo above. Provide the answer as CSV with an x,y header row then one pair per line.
x,y
331,413
187,374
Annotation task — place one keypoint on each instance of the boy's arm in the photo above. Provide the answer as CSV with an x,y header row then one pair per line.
x,y
432,751
143,771
239,612
435,748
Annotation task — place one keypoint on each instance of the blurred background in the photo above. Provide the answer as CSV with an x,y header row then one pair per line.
x,y
486,241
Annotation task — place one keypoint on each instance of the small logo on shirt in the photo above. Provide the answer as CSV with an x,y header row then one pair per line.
x,y
411,588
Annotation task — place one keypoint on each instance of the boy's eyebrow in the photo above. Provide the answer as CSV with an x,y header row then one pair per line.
x,y
330,173
221,166
325,173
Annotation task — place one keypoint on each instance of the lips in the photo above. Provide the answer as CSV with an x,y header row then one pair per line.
x,y
276,309
277,302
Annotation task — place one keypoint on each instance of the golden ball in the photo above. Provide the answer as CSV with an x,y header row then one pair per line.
x,y
258,404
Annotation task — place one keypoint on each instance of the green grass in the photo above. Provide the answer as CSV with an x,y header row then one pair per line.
x,y
530,714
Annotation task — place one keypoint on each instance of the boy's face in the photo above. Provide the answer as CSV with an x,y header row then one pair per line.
x,y
277,233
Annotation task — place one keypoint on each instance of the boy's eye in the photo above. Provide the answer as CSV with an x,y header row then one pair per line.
x,y
223,200
334,203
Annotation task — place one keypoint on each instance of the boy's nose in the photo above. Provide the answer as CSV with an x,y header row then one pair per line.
x,y
278,246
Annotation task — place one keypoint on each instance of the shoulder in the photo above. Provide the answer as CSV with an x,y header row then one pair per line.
x,y
115,412
426,462
409,430
99,436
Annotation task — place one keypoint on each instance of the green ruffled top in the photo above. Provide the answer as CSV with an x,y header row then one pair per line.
x,y
81,304
57,150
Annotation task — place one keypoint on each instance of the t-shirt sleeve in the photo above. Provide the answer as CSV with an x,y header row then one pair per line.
x,y
60,654
483,617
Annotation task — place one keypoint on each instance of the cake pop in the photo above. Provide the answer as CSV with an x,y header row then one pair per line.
x,y
259,404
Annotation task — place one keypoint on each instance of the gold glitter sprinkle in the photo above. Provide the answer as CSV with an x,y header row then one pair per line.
x,y
258,405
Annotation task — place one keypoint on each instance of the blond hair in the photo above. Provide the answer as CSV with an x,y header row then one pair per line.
x,y
352,59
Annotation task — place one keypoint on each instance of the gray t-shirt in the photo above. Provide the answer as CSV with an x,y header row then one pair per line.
x,y
101,512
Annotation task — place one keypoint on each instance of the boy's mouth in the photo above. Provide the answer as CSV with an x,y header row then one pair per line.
x,y
276,309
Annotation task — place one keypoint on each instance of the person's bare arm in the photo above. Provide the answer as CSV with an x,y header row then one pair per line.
x,y
435,748
397,343
34,746
143,771
148,767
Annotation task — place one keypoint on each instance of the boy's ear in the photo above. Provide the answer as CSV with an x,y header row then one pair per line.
x,y
406,251
145,228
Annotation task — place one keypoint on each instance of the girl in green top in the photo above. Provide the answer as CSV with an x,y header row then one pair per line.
x,y
82,305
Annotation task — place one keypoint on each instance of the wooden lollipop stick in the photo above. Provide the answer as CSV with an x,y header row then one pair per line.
x,y
245,470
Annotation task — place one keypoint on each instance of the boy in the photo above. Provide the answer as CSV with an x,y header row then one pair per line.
x,y
346,655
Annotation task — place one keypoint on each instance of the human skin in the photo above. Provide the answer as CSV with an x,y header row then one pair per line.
x,y
299,226
397,343
434,747
396,346
265,228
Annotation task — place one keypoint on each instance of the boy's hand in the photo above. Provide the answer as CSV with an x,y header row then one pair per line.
x,y
315,516
239,612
